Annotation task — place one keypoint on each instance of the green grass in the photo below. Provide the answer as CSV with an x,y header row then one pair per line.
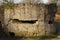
x,y
42,36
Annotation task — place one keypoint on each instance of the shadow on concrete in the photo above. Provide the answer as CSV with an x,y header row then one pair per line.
x,y
57,25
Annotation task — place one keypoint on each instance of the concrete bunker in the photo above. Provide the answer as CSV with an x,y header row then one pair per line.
x,y
30,18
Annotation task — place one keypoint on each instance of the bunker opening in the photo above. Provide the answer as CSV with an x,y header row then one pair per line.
x,y
50,22
25,21
11,34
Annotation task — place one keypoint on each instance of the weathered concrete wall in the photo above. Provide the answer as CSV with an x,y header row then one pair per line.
x,y
25,12
27,20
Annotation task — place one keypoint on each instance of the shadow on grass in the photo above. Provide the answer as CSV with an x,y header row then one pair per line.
x,y
41,37
3,35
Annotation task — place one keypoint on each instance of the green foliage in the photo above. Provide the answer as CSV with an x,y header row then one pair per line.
x,y
9,5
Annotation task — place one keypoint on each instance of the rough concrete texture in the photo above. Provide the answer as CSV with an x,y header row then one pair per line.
x,y
26,20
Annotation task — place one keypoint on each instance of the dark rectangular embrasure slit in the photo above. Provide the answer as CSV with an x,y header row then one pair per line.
x,y
25,21
50,22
